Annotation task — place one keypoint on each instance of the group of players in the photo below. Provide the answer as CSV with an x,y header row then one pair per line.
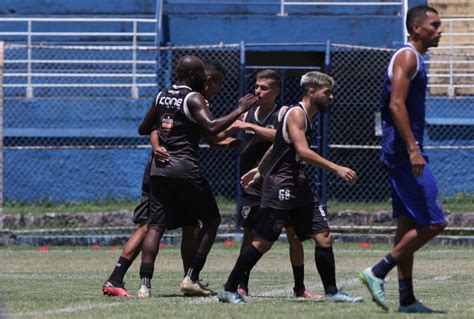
x,y
274,147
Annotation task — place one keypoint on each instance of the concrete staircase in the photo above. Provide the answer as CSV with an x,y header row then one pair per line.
x,y
455,54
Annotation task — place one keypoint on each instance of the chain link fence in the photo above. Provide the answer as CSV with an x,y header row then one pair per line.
x,y
70,117
355,130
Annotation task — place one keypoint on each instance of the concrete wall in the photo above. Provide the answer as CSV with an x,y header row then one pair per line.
x,y
205,21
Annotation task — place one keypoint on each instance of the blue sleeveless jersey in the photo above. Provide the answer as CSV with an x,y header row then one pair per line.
x,y
394,150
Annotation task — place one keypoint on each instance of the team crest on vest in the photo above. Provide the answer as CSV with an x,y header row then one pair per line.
x,y
166,124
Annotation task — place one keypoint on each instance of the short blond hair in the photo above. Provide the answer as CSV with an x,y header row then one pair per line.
x,y
315,79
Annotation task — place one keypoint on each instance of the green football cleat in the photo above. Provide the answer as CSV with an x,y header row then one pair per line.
x,y
416,307
342,297
375,286
230,297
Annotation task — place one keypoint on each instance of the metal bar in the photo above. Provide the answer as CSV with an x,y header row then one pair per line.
x,y
68,85
134,90
146,20
279,67
148,34
75,34
159,23
78,75
451,90
285,44
404,15
29,88
342,3
81,61
325,133
1,135
242,90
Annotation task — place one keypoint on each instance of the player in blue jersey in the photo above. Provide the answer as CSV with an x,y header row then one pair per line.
x,y
414,192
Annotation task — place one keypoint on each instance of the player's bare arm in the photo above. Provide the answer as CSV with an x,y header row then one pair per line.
x,y
266,133
159,152
228,142
146,124
296,131
404,68
205,119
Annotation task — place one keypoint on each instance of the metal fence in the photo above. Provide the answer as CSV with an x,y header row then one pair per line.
x,y
355,129
74,138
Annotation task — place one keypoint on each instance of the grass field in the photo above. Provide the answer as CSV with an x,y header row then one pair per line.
x,y
65,283
460,202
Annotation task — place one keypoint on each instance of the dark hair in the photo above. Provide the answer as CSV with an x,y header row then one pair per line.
x,y
415,14
214,68
270,74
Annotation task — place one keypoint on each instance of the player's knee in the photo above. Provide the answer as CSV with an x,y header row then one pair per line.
x,y
142,230
324,239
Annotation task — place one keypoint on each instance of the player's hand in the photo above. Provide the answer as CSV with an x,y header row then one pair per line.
x,y
417,162
346,174
240,125
250,178
160,154
246,102
229,142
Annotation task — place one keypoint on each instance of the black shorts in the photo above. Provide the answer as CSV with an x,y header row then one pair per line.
x,y
141,214
319,222
178,202
300,218
249,217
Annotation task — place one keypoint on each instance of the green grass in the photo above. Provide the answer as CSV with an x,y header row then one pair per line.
x,y
460,202
108,205
65,283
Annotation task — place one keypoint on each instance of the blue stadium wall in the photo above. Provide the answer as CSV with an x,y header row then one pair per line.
x,y
188,25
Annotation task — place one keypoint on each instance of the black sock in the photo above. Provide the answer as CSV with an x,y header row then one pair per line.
x,y
405,287
244,282
146,270
197,263
384,266
326,266
120,270
298,275
246,261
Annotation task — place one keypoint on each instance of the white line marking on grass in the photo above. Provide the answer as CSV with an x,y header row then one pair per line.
x,y
71,309
201,300
442,278
287,291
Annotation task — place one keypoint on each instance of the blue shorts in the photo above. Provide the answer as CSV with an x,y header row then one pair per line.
x,y
416,197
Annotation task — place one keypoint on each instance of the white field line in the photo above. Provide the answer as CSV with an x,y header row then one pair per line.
x,y
200,300
287,291
71,309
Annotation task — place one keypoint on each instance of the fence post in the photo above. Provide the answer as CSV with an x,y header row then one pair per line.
x,y
282,86
169,65
324,129
134,63
1,136
282,8
29,87
242,90
451,91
